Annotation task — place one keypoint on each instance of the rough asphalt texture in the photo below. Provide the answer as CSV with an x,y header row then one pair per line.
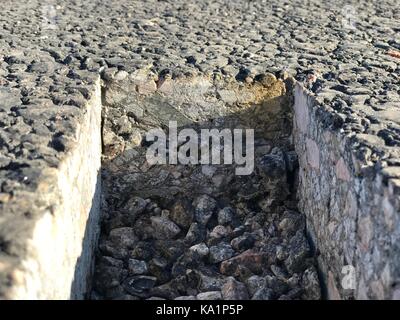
x,y
52,52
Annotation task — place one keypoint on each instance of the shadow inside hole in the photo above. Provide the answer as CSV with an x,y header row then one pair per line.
x,y
127,174
269,189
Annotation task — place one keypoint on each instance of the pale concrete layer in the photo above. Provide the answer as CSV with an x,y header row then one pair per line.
x,y
48,252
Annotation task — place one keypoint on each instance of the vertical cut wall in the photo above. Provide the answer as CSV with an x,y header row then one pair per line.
x,y
351,207
56,250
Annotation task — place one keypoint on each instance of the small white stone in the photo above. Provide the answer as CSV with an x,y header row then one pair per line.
x,y
201,249
121,75
137,267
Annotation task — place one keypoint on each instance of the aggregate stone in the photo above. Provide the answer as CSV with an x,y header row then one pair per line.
x,y
250,259
273,165
263,294
166,291
164,228
124,237
185,298
243,242
189,260
168,249
309,279
195,234
291,222
139,285
159,267
209,280
299,251
201,249
182,214
142,250
210,295
137,267
225,215
219,232
135,206
108,249
254,283
204,209
234,290
220,252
